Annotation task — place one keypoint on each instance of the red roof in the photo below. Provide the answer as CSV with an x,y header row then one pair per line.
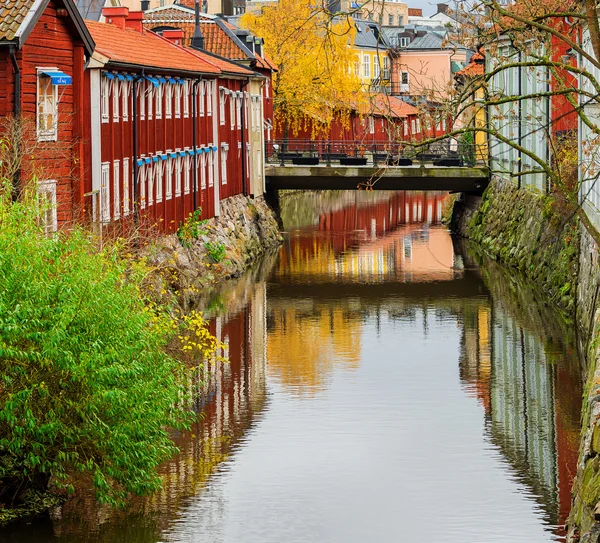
x,y
472,70
391,106
221,63
415,12
146,50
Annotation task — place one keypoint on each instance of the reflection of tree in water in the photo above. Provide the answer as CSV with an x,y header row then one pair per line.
x,y
512,357
307,341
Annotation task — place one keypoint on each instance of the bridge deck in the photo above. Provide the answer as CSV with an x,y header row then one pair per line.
x,y
425,177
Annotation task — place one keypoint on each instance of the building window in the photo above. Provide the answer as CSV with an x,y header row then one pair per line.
x,y
104,98
142,99
400,20
404,41
413,126
105,192
203,163
150,169
188,162
47,109
186,98
371,125
209,98
141,180
169,181
376,68
178,168
238,111
222,105
178,92
418,126
116,87
232,108
202,95
158,169
169,101
116,190
159,101
150,94
366,66
224,153
405,124
211,171
125,86
126,181
390,20
267,85
47,199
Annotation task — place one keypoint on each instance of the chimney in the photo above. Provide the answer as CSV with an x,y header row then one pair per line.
x,y
442,8
134,21
258,46
197,38
116,16
174,36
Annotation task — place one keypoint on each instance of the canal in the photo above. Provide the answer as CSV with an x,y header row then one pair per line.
x,y
384,384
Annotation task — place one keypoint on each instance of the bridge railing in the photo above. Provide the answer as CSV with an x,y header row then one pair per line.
x,y
378,154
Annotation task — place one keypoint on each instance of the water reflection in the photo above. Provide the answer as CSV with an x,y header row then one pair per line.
x,y
375,383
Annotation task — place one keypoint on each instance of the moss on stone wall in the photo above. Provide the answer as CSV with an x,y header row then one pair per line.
x,y
528,232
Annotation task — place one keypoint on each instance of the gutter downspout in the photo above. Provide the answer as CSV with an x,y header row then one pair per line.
x,y
17,113
244,150
195,139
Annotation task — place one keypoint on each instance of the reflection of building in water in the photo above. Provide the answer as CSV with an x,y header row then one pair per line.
x,y
368,243
507,369
307,340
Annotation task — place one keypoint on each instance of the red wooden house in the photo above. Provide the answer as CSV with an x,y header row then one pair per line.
x,y
44,46
160,132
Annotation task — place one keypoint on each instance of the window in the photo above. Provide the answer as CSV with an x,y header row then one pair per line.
x,y
150,171
47,108
376,68
400,20
224,152
267,85
178,93
125,86
104,98
126,181
211,171
418,126
186,98
159,101
116,87
405,125
222,105
104,192
158,169
178,167
169,101
203,162
371,125
238,111
404,81
413,126
209,98
444,125
390,20
386,68
202,94
169,181
47,199
142,97
232,108
142,174
366,66
150,94
116,190
404,41
186,175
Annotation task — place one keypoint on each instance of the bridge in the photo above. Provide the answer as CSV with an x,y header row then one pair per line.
x,y
348,165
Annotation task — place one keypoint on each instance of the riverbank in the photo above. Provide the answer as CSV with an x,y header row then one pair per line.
x,y
205,253
554,251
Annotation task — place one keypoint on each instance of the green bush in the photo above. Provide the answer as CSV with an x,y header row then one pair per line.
x,y
216,250
85,382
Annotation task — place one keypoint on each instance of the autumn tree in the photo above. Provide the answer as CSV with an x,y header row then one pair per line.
x,y
312,50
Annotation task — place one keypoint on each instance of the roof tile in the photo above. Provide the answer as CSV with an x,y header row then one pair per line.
x,y
12,16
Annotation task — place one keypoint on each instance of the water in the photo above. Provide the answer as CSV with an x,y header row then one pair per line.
x,y
381,387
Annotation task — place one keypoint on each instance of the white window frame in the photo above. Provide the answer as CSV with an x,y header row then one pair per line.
x,y
186,99
142,174
47,192
209,100
158,111
168,100
105,99
126,183
51,134
150,96
238,111
150,171
211,167
222,95
169,177
366,66
188,162
105,192
125,91
203,162
202,96
178,94
371,124
418,126
158,171
142,99
232,108
115,99
267,86
178,168
224,153
116,192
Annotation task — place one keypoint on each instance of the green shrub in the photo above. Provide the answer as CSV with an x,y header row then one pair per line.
x,y
85,382
191,229
215,250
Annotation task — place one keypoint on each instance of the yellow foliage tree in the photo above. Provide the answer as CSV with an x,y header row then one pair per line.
x,y
313,53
